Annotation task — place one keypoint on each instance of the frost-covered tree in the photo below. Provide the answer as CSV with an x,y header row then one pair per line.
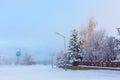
x,y
94,48
60,58
111,48
27,59
88,37
75,46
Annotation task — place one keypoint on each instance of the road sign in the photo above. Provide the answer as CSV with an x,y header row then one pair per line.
x,y
18,53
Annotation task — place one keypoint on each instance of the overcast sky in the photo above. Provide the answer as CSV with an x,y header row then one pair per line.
x,y
31,24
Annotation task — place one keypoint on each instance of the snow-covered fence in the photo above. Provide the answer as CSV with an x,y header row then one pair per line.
x,y
101,64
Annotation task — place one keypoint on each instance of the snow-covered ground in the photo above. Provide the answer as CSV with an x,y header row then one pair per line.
x,y
40,72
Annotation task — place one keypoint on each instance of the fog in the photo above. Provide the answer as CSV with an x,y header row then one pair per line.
x,y
31,25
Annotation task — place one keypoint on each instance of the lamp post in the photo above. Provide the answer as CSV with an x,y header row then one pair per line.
x,y
64,47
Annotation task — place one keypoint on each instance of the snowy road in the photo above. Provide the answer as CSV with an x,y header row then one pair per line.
x,y
47,73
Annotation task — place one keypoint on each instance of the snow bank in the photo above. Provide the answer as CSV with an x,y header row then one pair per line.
x,y
41,72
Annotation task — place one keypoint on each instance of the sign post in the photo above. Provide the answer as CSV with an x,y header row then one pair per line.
x,y
18,54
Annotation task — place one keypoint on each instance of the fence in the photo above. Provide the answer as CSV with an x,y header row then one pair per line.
x,y
101,64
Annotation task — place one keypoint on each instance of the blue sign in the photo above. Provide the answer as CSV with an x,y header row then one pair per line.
x,y
18,53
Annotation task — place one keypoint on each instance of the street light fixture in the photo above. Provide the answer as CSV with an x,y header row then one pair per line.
x,y
64,47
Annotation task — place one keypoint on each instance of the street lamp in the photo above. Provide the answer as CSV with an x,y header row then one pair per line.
x,y
64,47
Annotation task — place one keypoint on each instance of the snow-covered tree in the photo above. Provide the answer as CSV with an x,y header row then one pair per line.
x,y
94,48
111,48
27,59
88,37
60,58
75,46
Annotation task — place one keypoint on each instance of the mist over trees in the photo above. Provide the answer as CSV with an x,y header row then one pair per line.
x,y
24,59
89,44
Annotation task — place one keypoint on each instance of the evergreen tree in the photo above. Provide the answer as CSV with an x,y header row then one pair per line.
x,y
75,46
